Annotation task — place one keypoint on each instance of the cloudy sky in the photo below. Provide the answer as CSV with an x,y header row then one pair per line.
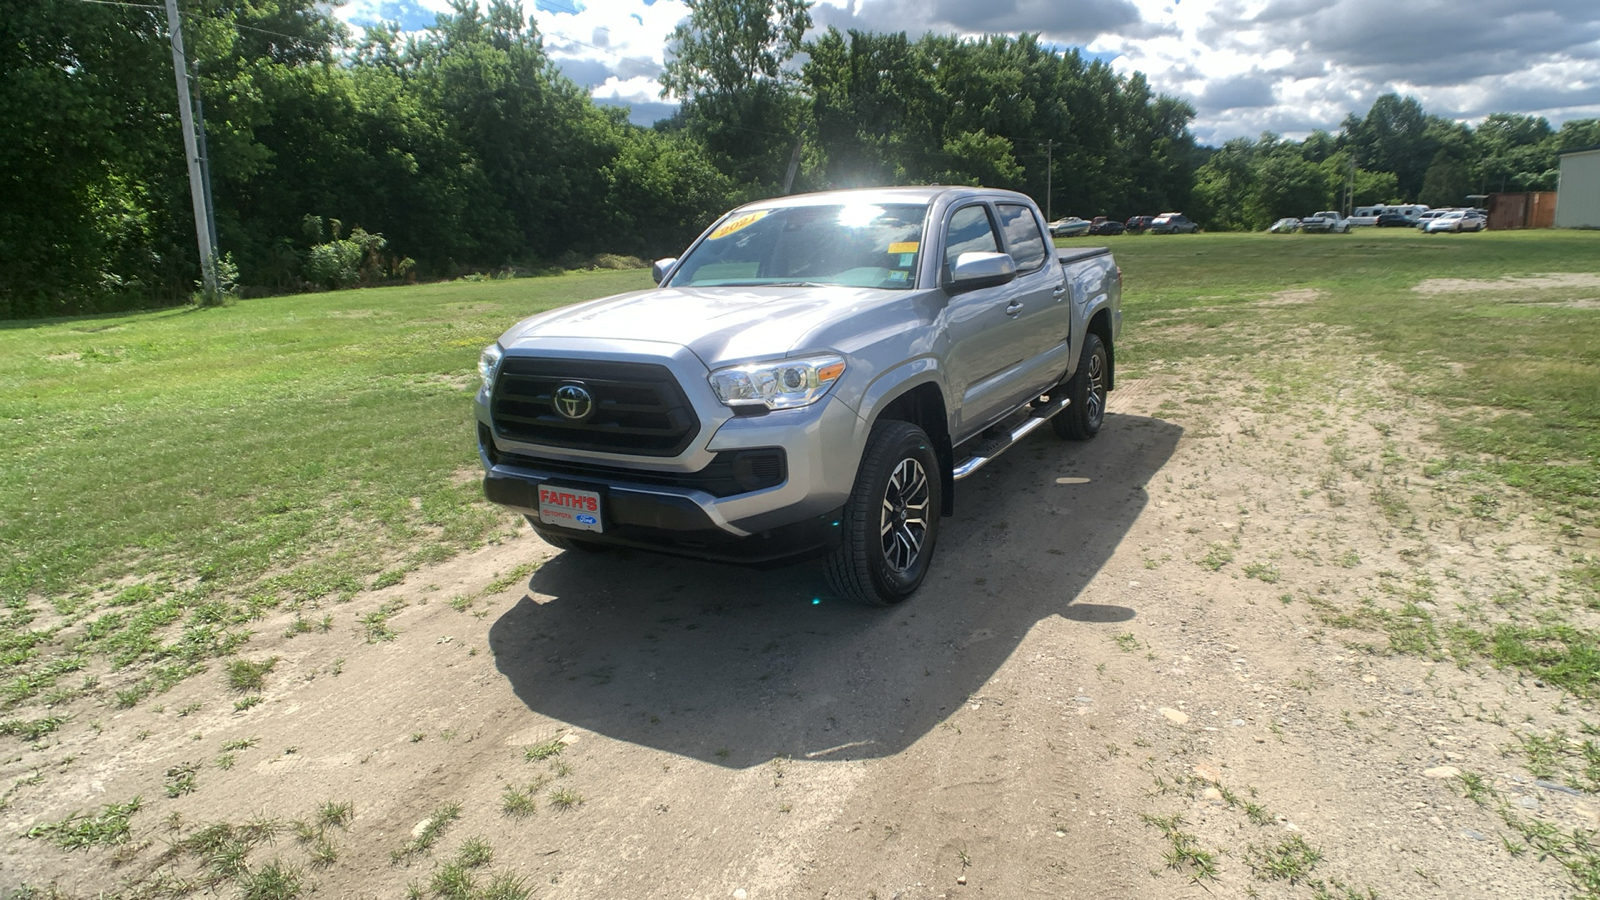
x,y
1248,66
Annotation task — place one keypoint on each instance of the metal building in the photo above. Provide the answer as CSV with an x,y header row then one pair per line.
x,y
1578,198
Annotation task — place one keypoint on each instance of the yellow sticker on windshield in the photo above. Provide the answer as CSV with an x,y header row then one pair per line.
x,y
903,247
737,223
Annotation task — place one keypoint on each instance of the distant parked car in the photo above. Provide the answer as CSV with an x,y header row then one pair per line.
x,y
1071,226
1138,224
1103,225
1395,220
1456,221
1429,216
1326,222
1173,223
1285,226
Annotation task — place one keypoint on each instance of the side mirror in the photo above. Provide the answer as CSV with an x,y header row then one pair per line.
x,y
659,268
981,270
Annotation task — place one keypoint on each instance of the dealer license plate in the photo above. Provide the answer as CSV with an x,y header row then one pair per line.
x,y
570,508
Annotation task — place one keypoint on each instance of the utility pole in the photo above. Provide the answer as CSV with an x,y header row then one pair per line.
x,y
794,165
197,187
1350,187
1049,170
205,159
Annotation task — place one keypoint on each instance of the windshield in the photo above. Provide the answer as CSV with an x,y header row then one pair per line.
x,y
874,245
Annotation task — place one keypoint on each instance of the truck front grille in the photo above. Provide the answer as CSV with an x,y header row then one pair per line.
x,y
633,408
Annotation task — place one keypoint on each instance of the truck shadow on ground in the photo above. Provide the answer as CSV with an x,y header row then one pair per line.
x,y
735,667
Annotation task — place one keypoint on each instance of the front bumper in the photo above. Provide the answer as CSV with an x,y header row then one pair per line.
x,y
679,504
669,521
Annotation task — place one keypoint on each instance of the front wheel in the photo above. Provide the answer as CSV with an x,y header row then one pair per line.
x,y
891,521
1081,420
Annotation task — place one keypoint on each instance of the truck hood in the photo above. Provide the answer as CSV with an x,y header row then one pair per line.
x,y
719,324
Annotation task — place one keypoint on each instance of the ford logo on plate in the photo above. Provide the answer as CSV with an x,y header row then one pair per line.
x,y
573,402
586,518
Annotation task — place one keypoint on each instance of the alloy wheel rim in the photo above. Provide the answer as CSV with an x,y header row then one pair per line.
x,y
1097,388
903,525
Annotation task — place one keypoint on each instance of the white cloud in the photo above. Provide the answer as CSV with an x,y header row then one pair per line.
x,y
1248,66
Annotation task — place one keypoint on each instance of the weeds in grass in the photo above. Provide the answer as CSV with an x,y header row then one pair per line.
x,y
563,799
475,852
521,802
322,852
1262,572
241,743
376,623
544,750
1477,788
1557,756
388,579
181,779
1217,556
1563,655
1185,853
244,703
336,814
1290,860
1574,850
1305,680
246,676
32,731
273,881
110,826
429,834
515,576
1126,642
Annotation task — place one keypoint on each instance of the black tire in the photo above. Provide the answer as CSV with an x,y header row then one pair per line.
x,y
562,542
891,521
1087,390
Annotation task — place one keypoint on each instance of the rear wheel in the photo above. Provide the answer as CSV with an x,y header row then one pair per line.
x,y
891,520
1086,389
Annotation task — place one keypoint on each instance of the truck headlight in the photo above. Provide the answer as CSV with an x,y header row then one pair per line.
x,y
787,384
489,364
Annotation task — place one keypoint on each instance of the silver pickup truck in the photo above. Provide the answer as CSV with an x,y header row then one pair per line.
x,y
809,379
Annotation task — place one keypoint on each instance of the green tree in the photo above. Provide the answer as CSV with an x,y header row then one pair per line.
x,y
1578,134
727,65
89,159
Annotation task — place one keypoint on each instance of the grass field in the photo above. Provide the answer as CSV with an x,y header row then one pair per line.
x,y
1524,369
166,477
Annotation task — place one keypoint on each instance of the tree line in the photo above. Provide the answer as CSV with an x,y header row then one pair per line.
x,y
1396,153
339,160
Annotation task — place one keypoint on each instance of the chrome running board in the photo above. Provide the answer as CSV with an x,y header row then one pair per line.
x,y
995,446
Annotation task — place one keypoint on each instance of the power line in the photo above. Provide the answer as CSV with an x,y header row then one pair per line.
x,y
199,16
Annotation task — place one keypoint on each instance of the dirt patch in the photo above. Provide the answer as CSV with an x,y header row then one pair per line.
x,y
1544,282
1293,297
1203,635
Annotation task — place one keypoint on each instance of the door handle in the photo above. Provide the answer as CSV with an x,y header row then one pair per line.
x,y
1060,289
1013,307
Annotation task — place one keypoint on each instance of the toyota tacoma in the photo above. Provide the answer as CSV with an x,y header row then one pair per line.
x,y
809,379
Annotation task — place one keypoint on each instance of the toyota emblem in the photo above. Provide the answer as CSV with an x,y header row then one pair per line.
x,y
573,402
